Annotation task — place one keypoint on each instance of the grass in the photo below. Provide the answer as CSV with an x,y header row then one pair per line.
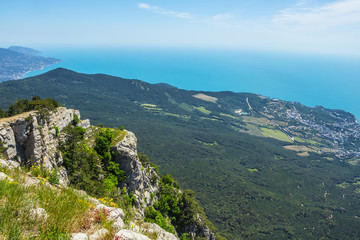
x,y
153,109
343,185
258,121
302,140
277,134
211,119
171,114
148,105
66,211
118,136
203,110
186,107
228,115
207,143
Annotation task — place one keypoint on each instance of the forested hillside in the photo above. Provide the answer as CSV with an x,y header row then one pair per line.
x,y
263,168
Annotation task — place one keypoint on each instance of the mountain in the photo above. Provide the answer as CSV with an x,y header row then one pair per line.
x,y
263,168
24,50
15,62
58,152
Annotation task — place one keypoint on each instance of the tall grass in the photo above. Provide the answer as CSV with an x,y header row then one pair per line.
x,y
66,211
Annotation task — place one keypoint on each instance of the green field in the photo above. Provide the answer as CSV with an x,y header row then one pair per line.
x,y
277,134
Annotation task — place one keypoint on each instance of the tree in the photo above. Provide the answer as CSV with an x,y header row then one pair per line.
x,y
2,113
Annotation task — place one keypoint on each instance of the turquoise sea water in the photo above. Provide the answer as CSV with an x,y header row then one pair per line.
x,y
332,82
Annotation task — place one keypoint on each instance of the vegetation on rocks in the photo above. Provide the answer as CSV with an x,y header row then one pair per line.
x,y
63,211
36,103
178,207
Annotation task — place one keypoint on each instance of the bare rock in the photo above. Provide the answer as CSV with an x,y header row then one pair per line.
x,y
9,164
79,236
130,235
38,214
4,177
114,214
100,234
160,232
94,201
138,179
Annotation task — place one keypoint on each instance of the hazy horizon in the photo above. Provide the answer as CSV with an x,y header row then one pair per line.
x,y
293,26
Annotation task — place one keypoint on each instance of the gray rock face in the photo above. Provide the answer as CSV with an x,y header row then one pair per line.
x,y
130,235
138,179
161,233
9,164
30,138
195,230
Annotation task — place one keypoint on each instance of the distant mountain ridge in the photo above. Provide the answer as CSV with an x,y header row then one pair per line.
x,y
24,50
263,168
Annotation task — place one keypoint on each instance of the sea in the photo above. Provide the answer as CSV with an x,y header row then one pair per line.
x,y
329,81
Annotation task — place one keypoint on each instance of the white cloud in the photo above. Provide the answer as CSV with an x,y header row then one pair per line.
x,y
155,9
337,13
144,5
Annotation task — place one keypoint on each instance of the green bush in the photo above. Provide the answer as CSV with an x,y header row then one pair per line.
x,y
40,171
185,236
151,215
75,120
56,130
169,180
2,113
110,183
29,118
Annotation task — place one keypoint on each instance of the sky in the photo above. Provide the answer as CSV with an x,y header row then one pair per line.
x,y
306,26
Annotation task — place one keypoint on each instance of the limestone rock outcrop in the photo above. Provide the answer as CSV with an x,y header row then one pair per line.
x,y
33,138
130,235
139,180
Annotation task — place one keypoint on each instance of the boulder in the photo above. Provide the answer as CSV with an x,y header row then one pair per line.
x,y
130,235
79,236
98,235
38,214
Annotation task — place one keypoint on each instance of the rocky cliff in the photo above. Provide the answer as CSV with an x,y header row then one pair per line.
x,y
32,139
139,179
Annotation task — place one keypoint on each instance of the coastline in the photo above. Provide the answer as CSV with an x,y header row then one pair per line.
x,y
24,75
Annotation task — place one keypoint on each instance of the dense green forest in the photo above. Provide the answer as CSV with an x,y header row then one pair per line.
x,y
250,186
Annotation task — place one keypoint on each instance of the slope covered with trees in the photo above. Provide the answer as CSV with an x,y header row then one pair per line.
x,y
237,159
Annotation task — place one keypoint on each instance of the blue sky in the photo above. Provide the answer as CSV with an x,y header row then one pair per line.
x,y
307,26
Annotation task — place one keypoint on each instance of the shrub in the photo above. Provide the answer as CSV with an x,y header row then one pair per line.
x,y
185,236
2,113
56,130
151,215
169,180
101,215
76,120
40,171
29,118
110,183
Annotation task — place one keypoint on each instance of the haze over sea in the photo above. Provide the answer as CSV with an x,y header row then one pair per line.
x,y
333,82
